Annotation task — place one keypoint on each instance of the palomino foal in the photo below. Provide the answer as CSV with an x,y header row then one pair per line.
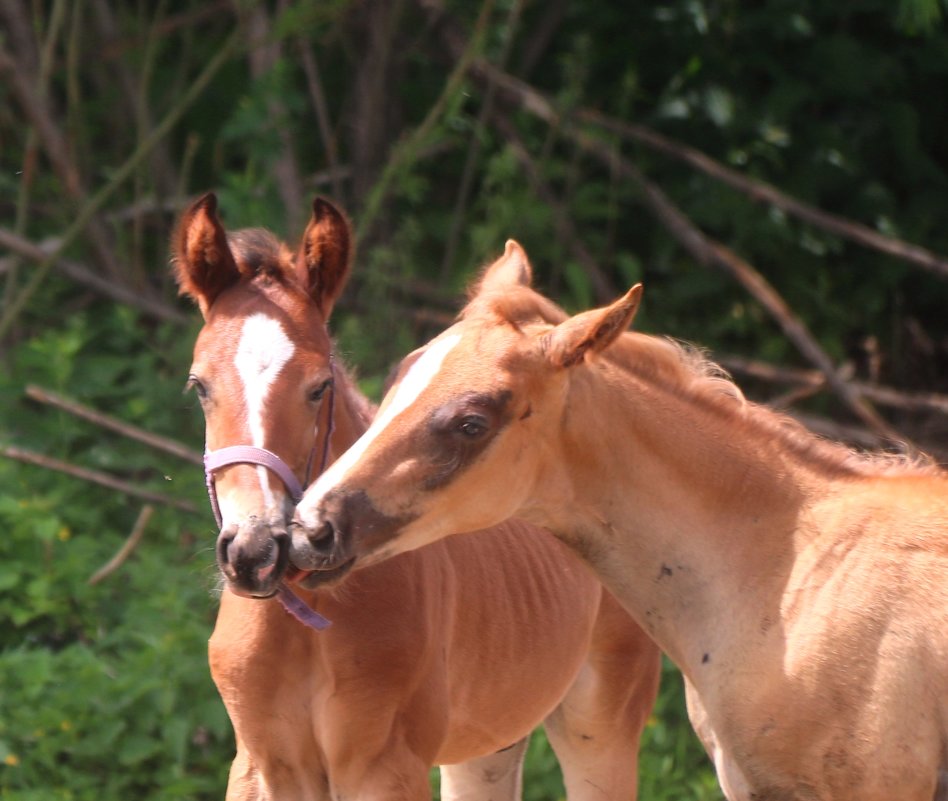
x,y
802,589
450,655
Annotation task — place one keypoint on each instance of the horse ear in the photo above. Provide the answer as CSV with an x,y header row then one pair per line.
x,y
591,331
325,255
513,268
203,263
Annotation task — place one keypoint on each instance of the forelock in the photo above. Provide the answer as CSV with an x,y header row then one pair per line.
x,y
259,253
516,306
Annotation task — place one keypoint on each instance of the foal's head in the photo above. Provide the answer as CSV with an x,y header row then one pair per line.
x,y
460,440
261,370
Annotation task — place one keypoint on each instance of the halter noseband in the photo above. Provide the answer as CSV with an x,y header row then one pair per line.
x,y
250,454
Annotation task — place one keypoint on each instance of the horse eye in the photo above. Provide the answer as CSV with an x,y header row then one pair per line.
x,y
472,426
317,393
195,383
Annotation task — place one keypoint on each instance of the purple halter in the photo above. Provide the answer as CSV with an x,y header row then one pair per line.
x,y
250,454
247,454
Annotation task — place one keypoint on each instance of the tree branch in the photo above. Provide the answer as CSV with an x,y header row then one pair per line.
x,y
138,531
603,288
708,251
151,306
884,396
758,191
406,148
263,57
317,94
702,248
762,192
94,477
92,206
113,424
36,108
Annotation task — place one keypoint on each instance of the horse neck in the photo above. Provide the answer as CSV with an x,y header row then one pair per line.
x,y
352,413
675,504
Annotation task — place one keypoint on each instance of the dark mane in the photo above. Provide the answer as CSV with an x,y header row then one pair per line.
x,y
259,254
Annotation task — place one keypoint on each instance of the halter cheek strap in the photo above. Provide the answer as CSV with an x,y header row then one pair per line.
x,y
250,454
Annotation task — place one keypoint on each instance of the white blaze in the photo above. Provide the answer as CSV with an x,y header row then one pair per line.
x,y
419,376
262,352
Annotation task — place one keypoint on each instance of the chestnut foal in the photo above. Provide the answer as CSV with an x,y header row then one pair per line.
x,y
447,656
801,588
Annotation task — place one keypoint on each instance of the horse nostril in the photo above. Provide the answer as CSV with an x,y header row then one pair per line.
x,y
223,548
323,538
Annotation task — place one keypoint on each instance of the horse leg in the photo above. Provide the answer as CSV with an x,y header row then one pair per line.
x,y
243,780
391,773
495,777
596,728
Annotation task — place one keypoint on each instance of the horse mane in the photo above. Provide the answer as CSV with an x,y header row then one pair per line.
x,y
348,386
686,371
260,254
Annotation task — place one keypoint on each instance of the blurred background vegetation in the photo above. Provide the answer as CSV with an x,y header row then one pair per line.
x,y
774,172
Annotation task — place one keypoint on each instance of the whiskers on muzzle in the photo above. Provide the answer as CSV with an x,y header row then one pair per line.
x,y
316,548
253,558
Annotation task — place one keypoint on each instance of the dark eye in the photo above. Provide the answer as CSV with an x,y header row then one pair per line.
x,y
316,394
472,426
195,383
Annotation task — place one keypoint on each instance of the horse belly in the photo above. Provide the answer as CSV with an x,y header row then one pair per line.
x,y
524,612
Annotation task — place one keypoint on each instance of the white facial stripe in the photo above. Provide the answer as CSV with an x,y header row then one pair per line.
x,y
419,376
262,352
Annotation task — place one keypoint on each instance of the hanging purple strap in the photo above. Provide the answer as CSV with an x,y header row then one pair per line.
x,y
295,605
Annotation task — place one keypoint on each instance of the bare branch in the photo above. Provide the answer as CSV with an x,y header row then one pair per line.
x,y
138,531
112,424
708,251
758,191
474,145
317,95
884,396
152,306
761,192
94,477
37,110
263,56
702,248
164,169
408,147
92,206
603,288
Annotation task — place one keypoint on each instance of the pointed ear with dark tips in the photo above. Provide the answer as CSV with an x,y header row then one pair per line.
x,y
591,331
511,269
203,263
325,255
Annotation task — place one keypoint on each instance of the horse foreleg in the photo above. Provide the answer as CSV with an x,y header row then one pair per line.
x,y
495,777
595,730
244,782
396,774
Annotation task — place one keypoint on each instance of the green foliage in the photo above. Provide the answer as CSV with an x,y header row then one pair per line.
x,y
104,689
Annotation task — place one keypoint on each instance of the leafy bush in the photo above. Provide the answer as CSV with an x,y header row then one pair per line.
x,y
104,689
